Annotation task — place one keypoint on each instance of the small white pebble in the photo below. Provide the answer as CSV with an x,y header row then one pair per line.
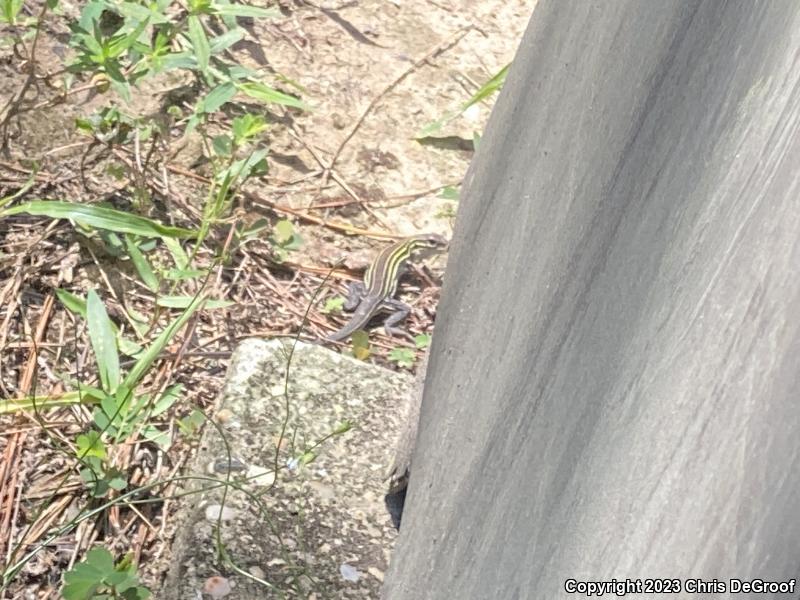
x,y
349,572
260,475
257,571
217,587
214,512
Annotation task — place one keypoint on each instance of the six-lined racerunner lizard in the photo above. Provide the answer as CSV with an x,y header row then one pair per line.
x,y
380,284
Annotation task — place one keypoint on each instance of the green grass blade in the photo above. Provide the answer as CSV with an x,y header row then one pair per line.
x,y
487,89
178,253
21,191
264,93
142,266
153,350
45,402
99,217
197,36
71,302
104,342
186,301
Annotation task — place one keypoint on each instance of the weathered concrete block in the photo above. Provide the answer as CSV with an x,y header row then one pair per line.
x,y
320,529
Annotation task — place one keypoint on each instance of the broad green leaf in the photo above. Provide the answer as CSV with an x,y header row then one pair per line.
x,y
142,266
197,36
226,40
222,145
98,487
239,171
168,398
283,232
140,12
178,60
82,581
201,6
264,93
116,481
113,409
90,444
104,342
77,305
157,436
360,341
190,424
216,98
99,217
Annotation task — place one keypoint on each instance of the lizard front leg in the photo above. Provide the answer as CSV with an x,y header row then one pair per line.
x,y
399,311
355,292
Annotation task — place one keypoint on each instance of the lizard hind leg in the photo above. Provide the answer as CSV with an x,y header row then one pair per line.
x,y
398,311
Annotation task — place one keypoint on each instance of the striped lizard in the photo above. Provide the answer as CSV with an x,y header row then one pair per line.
x,y
375,293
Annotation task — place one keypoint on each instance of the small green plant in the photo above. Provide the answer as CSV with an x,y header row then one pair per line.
x,y
190,424
122,412
100,477
449,193
494,84
422,341
126,41
447,209
21,26
9,10
98,578
333,305
285,239
250,233
235,158
403,357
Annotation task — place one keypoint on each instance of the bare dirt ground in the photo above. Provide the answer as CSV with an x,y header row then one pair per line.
x,y
347,173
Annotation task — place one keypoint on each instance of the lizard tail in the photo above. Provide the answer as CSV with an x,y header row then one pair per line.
x,y
360,318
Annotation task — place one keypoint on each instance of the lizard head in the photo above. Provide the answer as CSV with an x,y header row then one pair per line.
x,y
429,240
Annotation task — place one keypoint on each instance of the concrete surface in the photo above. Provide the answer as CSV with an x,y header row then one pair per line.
x,y
613,386
321,531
